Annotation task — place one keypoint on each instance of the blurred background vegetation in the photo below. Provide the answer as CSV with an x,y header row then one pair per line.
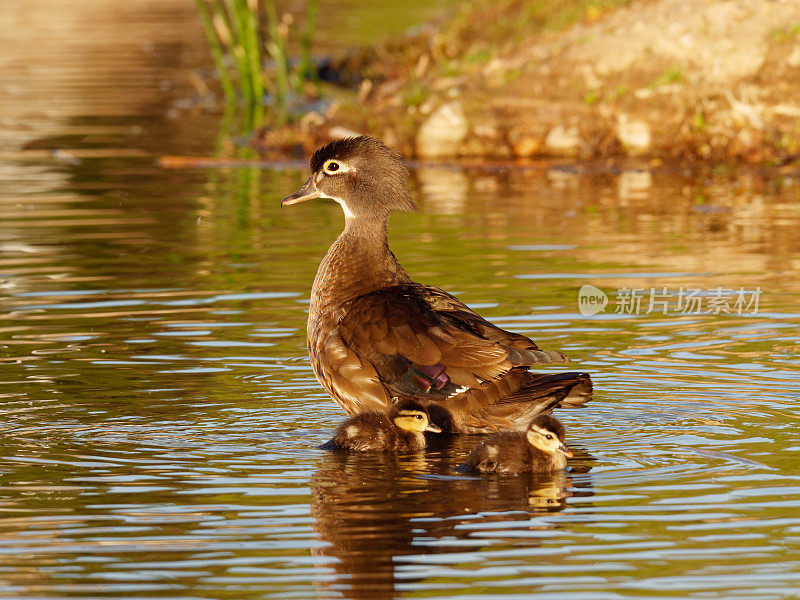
x,y
243,35
262,49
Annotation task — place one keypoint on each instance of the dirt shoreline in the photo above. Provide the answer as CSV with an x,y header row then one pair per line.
x,y
653,81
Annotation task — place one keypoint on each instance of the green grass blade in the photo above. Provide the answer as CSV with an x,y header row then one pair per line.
x,y
305,70
217,53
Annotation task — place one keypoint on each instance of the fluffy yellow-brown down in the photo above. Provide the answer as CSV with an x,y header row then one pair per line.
x,y
402,429
540,449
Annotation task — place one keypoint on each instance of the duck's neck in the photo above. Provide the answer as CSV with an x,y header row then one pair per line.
x,y
358,262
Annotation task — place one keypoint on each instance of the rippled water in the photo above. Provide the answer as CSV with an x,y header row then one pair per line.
x,y
159,416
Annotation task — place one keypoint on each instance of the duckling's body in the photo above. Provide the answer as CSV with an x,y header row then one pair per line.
x,y
376,337
400,430
539,450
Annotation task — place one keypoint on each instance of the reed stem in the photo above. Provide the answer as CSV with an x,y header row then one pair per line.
x,y
217,53
277,51
240,34
305,70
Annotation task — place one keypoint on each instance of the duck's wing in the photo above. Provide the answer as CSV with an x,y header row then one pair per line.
x,y
420,342
522,351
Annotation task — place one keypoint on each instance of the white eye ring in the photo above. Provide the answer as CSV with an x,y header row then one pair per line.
x,y
334,167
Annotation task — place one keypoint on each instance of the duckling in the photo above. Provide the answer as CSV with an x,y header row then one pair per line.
x,y
375,336
540,449
401,429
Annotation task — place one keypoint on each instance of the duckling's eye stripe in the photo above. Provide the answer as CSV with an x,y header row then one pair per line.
x,y
407,413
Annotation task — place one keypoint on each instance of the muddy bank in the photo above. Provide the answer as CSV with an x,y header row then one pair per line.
x,y
651,79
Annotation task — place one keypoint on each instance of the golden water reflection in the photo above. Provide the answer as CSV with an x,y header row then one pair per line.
x,y
160,417
376,513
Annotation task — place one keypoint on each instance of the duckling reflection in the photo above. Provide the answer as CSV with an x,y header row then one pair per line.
x,y
373,509
362,505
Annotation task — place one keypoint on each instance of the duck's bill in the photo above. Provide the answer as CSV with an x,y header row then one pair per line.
x,y
565,451
307,192
433,428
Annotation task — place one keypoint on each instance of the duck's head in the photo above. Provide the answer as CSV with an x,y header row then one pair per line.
x,y
547,434
364,176
410,415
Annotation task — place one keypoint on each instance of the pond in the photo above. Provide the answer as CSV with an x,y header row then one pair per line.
x,y
160,417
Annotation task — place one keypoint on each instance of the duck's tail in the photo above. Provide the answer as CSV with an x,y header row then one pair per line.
x,y
511,401
559,390
574,389
543,393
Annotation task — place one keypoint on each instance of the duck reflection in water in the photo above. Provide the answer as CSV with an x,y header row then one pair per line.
x,y
372,509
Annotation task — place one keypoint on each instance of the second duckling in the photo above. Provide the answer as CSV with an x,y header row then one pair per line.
x,y
540,449
399,430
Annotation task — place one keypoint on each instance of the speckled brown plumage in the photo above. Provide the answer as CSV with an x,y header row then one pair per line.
x,y
376,337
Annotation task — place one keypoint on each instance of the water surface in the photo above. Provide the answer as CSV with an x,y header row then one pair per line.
x,y
160,417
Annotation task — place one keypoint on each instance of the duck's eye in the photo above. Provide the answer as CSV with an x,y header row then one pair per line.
x,y
549,437
418,416
332,167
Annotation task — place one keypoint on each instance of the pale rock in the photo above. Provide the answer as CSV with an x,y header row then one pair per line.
x,y
562,141
794,57
443,132
634,135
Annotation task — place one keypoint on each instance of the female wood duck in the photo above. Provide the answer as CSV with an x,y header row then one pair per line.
x,y
540,449
402,429
376,337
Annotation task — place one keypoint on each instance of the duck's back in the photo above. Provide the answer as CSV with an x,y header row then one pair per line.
x,y
417,341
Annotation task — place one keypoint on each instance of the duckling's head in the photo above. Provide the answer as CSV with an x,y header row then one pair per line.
x,y
364,176
410,415
547,434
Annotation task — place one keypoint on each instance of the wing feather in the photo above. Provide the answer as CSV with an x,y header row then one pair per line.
x,y
417,341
